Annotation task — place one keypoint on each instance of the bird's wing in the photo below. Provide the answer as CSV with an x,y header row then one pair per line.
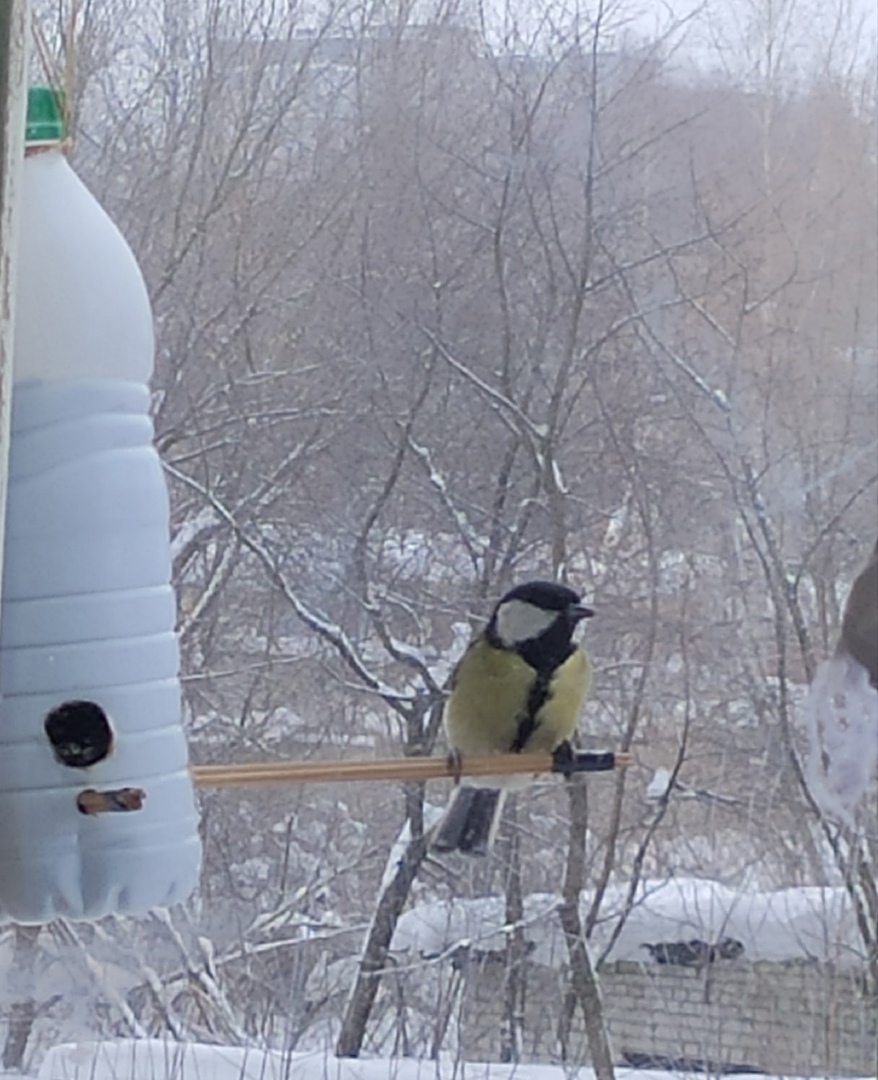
x,y
483,710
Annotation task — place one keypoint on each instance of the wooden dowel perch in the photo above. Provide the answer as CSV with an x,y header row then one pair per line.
x,y
413,768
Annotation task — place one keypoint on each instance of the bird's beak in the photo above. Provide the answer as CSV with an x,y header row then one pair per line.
x,y
579,611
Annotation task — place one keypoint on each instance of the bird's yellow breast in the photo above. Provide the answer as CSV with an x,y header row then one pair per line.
x,y
490,695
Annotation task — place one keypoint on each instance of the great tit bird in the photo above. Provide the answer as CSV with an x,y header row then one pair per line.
x,y
519,687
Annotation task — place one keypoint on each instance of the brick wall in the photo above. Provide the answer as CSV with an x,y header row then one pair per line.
x,y
782,1018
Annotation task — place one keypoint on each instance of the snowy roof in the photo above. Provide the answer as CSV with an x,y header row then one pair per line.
x,y
807,923
153,1059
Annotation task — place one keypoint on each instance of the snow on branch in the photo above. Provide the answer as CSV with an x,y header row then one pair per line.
x,y
329,631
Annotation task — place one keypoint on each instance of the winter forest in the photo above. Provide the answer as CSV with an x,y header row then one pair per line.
x,y
448,296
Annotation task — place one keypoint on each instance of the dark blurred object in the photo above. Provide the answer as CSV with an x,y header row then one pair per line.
x,y
685,1064
859,628
728,949
461,956
681,953
80,733
840,711
694,953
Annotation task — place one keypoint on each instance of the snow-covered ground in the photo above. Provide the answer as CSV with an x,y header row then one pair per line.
x,y
154,1059
806,924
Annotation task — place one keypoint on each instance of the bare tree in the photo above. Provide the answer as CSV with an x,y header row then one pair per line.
x,y
439,306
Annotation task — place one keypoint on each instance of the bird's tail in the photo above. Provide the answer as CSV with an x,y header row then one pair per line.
x,y
471,821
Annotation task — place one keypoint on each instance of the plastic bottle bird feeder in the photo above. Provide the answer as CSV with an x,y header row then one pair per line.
x,y
96,799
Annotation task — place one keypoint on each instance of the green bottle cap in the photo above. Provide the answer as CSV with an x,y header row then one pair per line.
x,y
45,116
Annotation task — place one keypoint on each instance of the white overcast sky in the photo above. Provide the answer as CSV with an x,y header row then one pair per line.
x,y
734,32
720,34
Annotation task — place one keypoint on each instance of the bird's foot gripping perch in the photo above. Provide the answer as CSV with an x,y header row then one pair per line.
x,y
454,764
564,759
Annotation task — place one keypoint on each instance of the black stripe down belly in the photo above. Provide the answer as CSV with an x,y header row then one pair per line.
x,y
529,722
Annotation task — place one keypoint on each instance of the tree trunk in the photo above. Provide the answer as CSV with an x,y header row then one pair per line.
x,y
516,952
387,912
583,979
19,1025
22,1013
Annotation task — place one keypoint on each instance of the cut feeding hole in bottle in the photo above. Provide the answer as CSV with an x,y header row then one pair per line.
x,y
80,733
120,801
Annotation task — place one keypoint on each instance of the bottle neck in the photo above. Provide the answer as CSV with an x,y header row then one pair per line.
x,y
31,149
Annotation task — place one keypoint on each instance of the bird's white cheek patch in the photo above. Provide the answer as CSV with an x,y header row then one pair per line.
x,y
519,621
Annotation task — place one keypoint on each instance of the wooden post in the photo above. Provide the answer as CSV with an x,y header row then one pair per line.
x,y
13,105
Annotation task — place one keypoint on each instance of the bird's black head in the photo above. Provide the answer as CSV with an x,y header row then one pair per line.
x,y
537,620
